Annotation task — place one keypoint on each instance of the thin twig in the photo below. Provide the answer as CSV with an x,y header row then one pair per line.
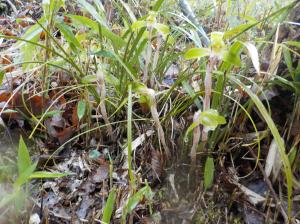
x,y
13,7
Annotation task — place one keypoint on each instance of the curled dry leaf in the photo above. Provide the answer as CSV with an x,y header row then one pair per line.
x,y
7,60
273,161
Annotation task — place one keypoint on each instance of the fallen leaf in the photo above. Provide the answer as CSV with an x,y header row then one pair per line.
x,y
101,174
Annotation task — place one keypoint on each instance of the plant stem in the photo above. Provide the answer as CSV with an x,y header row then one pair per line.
x,y
208,86
100,76
196,138
148,57
161,134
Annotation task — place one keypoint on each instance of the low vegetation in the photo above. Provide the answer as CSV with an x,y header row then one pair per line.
x,y
151,112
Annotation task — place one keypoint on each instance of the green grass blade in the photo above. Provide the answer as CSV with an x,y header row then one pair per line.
x,y
109,206
129,137
277,137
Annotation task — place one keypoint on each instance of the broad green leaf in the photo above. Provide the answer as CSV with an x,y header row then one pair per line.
x,y
68,34
82,20
109,206
115,39
253,55
157,5
23,156
162,28
51,7
81,107
232,57
136,198
209,170
89,79
104,53
45,174
24,176
32,33
138,24
28,50
196,53
211,119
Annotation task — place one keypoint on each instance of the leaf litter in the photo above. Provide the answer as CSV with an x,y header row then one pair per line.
x,y
81,196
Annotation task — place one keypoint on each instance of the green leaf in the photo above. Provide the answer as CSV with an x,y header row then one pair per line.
x,y
68,34
136,198
32,33
115,39
109,206
23,157
91,9
209,170
89,79
157,5
139,24
81,109
196,53
49,113
233,55
2,74
24,176
190,90
211,119
164,29
292,155
105,54
277,137
45,174
296,86
288,61
293,43
237,30
128,10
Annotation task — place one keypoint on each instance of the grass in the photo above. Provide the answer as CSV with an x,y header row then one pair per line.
x,y
86,76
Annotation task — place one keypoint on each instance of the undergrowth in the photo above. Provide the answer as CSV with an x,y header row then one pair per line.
x,y
156,87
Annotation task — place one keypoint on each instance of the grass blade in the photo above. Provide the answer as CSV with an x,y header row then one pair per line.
x,y
277,137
